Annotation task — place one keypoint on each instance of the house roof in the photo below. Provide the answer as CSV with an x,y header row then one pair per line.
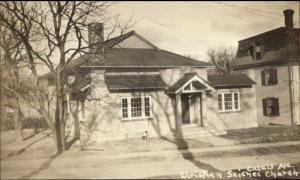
x,y
183,80
143,58
130,82
230,80
116,40
267,33
113,41
80,83
132,58
284,41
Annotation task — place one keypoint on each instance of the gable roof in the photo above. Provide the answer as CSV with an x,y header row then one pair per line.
x,y
230,80
113,41
116,40
187,78
132,58
142,58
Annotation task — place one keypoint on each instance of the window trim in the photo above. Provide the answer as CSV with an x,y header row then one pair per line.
x,y
273,72
257,44
276,106
223,110
129,114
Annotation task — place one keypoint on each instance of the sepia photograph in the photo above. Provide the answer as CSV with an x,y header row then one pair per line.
x,y
150,90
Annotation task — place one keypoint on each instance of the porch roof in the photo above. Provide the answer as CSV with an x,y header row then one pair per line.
x,y
230,80
133,82
185,79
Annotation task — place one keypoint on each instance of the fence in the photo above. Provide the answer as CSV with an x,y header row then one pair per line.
x,y
27,123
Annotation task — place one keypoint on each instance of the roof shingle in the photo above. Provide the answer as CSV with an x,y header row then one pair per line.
x,y
129,82
230,80
129,57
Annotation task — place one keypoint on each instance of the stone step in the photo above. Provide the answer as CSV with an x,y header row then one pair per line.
x,y
194,132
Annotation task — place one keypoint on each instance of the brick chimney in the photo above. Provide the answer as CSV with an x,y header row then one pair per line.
x,y
288,18
96,40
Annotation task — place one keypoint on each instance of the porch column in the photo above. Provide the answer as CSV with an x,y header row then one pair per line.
x,y
197,109
204,103
178,118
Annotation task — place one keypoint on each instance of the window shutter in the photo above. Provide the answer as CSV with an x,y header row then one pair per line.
x,y
251,49
264,105
276,104
263,79
274,76
262,50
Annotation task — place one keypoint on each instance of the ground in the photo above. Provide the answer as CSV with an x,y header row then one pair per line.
x,y
223,156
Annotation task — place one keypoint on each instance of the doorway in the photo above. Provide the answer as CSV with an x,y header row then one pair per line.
x,y
185,107
191,109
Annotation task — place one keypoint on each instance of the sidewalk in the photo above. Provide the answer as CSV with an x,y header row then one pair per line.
x,y
178,153
99,164
13,147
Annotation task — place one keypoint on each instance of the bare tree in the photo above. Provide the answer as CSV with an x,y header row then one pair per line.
x,y
222,57
59,29
11,63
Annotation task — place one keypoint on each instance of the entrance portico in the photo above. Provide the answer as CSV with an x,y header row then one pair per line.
x,y
188,93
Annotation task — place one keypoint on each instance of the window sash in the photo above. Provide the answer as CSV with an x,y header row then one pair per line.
x,y
258,51
136,107
229,101
271,107
269,77
124,108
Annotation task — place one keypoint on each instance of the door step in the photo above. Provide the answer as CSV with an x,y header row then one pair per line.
x,y
194,132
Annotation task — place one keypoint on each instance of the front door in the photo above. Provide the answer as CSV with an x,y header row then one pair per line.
x,y
185,107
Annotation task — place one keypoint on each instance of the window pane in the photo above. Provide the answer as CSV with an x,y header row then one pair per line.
x,y
220,101
228,101
268,77
236,101
272,107
124,108
147,106
258,55
136,107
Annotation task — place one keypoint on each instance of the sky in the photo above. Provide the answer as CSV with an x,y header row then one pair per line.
x,y
192,27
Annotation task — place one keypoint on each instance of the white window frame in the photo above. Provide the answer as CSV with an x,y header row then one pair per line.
x,y
232,101
143,116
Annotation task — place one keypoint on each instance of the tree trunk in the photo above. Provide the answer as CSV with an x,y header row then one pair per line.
x,y
18,114
60,114
18,123
76,121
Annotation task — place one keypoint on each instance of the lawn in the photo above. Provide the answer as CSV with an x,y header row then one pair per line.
x,y
265,134
140,145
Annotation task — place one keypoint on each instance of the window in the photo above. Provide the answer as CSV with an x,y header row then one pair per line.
x,y
258,52
136,107
270,107
124,108
147,106
228,101
269,77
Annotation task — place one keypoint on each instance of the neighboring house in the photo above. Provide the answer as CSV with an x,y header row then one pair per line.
x,y
272,59
128,87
